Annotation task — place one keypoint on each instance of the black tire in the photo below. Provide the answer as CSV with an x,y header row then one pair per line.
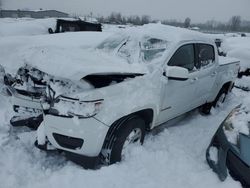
x,y
220,97
117,139
50,31
206,108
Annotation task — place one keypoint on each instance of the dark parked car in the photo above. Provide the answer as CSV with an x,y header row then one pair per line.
x,y
229,149
74,25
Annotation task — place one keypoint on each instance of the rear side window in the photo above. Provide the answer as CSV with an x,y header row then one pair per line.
x,y
206,54
184,57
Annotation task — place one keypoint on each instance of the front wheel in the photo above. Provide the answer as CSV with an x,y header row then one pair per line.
x,y
127,132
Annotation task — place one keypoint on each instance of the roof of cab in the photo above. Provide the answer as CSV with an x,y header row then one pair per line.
x,y
169,33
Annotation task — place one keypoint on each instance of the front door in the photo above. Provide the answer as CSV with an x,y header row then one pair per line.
x,y
180,96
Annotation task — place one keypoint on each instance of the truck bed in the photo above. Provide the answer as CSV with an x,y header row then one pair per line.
x,y
227,60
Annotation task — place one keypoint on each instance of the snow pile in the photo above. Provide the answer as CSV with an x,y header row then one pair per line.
x,y
238,47
41,138
173,158
244,82
25,26
238,121
49,53
6,113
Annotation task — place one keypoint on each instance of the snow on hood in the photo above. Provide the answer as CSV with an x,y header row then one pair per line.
x,y
76,63
68,55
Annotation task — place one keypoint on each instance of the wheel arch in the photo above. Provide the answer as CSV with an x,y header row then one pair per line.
x,y
228,86
146,114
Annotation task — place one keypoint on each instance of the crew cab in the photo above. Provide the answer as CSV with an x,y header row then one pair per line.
x,y
130,83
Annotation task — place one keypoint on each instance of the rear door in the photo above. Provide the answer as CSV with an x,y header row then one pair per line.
x,y
207,71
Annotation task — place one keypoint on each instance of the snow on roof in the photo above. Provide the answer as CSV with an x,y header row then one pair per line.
x,y
66,54
169,33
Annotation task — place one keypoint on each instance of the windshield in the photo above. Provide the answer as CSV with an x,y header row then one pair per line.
x,y
111,43
153,48
129,48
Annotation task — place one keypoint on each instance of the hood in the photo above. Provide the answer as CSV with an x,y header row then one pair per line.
x,y
76,63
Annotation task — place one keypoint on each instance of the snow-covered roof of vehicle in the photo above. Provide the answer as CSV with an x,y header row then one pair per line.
x,y
168,33
65,55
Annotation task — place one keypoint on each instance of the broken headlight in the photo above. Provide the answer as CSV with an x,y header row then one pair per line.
x,y
68,107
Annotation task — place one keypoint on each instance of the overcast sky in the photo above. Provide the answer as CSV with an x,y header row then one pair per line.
x,y
197,10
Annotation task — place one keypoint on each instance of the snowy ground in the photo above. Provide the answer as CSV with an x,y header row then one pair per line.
x,y
173,158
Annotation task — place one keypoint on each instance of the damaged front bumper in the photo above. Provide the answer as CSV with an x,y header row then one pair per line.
x,y
28,109
80,139
88,162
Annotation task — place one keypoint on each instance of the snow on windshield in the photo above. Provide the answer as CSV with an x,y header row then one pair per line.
x,y
153,48
111,43
131,48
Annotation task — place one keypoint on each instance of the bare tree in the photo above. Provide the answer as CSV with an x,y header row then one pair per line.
x,y
136,20
101,19
172,22
124,20
234,23
145,19
115,18
187,22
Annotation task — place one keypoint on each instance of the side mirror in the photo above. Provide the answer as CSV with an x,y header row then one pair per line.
x,y
176,73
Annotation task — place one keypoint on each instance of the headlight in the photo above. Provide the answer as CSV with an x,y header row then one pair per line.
x,y
237,122
64,106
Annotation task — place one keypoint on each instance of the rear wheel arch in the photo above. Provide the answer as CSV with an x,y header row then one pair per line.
x,y
228,86
225,89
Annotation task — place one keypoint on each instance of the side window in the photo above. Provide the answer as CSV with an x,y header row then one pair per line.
x,y
206,54
184,57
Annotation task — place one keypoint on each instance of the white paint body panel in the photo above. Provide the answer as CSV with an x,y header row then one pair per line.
x,y
166,98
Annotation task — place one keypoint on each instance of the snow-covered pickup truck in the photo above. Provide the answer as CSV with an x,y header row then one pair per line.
x,y
129,84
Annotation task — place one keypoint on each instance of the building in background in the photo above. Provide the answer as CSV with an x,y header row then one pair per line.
x,y
32,14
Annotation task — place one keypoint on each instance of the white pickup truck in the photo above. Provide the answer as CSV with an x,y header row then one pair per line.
x,y
129,84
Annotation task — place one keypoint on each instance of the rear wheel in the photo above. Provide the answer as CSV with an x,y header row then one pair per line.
x,y
127,132
220,98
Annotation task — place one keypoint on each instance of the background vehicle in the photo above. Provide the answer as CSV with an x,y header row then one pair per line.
x,y
74,25
229,148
